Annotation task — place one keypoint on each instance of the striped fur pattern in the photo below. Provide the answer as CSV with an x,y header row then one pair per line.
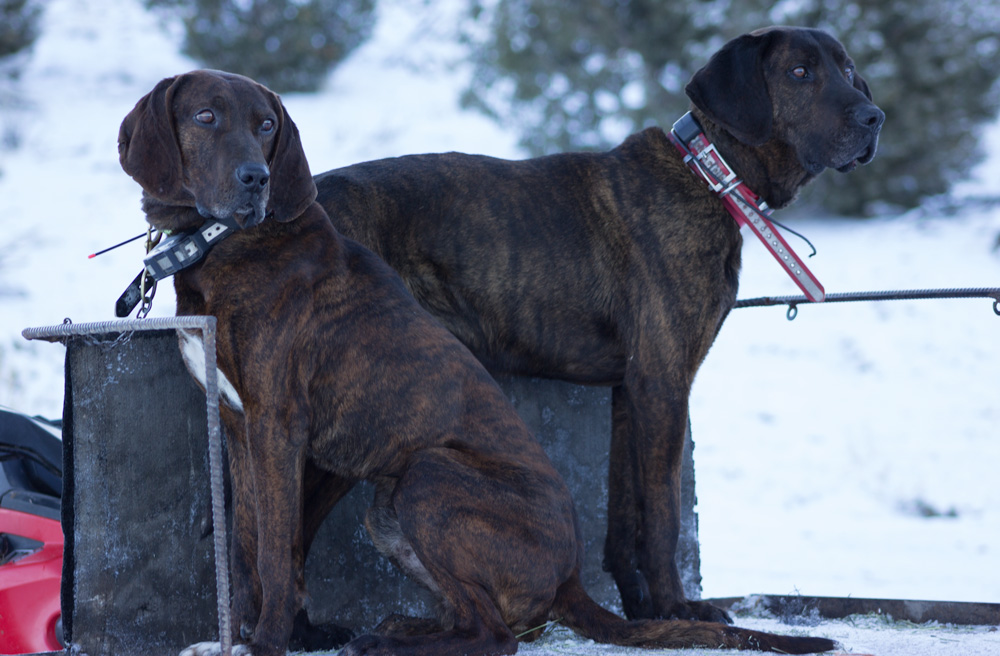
x,y
339,370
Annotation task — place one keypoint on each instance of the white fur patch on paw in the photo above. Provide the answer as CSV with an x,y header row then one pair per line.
x,y
213,649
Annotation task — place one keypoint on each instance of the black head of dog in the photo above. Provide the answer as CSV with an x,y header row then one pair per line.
x,y
169,144
792,86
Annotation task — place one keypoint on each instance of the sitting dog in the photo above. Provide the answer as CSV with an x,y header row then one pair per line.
x,y
616,268
328,360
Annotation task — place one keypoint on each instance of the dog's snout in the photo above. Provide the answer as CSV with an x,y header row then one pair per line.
x,y
869,116
253,176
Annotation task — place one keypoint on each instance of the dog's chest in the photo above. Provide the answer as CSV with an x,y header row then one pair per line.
x,y
193,353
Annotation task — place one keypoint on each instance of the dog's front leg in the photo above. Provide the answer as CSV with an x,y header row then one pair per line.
x,y
650,418
246,588
644,497
620,555
243,545
277,457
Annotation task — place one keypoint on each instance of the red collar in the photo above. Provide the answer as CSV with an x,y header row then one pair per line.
x,y
746,207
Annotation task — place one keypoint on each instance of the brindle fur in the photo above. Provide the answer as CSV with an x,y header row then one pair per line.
x,y
336,365
615,268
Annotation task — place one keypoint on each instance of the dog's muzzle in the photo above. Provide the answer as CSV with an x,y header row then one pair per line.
x,y
252,178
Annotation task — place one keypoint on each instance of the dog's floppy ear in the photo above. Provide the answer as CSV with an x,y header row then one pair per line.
x,y
731,89
147,144
292,186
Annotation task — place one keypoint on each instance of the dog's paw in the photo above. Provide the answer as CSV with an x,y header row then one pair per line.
x,y
307,636
396,625
366,645
202,649
213,649
698,610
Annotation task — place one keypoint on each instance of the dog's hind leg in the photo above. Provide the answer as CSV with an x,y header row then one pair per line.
x,y
478,637
474,628
387,535
397,625
491,537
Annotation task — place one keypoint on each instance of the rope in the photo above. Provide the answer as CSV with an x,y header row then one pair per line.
x,y
900,295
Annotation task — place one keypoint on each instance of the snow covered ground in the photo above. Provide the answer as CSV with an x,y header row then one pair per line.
x,y
850,452
868,635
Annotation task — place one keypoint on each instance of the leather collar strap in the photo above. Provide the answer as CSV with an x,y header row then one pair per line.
x,y
744,205
180,251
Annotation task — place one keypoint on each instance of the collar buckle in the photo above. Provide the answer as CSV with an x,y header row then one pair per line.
x,y
710,165
746,207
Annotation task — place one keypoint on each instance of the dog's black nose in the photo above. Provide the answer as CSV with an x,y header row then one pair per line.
x,y
869,116
253,176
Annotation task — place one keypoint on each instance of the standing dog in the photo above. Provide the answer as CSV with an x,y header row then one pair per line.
x,y
329,360
616,268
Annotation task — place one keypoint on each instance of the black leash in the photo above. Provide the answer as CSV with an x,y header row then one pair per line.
x,y
901,295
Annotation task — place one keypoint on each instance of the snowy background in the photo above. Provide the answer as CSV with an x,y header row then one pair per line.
x,y
850,452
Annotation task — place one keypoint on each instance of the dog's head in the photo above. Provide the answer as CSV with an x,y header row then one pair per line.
x,y
220,143
793,85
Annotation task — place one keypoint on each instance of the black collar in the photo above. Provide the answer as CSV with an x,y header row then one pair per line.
x,y
178,252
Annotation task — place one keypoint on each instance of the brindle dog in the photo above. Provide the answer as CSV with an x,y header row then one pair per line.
x,y
328,359
616,268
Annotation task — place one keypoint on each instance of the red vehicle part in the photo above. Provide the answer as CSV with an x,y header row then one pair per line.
x,y
30,616
31,539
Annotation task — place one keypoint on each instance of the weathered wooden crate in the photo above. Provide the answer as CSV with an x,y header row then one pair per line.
x,y
139,568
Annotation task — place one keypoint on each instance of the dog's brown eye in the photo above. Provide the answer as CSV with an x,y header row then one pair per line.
x,y
267,125
205,116
849,73
799,72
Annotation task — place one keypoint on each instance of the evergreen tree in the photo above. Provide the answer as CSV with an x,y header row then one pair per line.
x,y
18,25
572,74
583,74
932,67
286,45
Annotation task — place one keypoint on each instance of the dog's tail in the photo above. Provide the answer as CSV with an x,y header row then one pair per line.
x,y
574,607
